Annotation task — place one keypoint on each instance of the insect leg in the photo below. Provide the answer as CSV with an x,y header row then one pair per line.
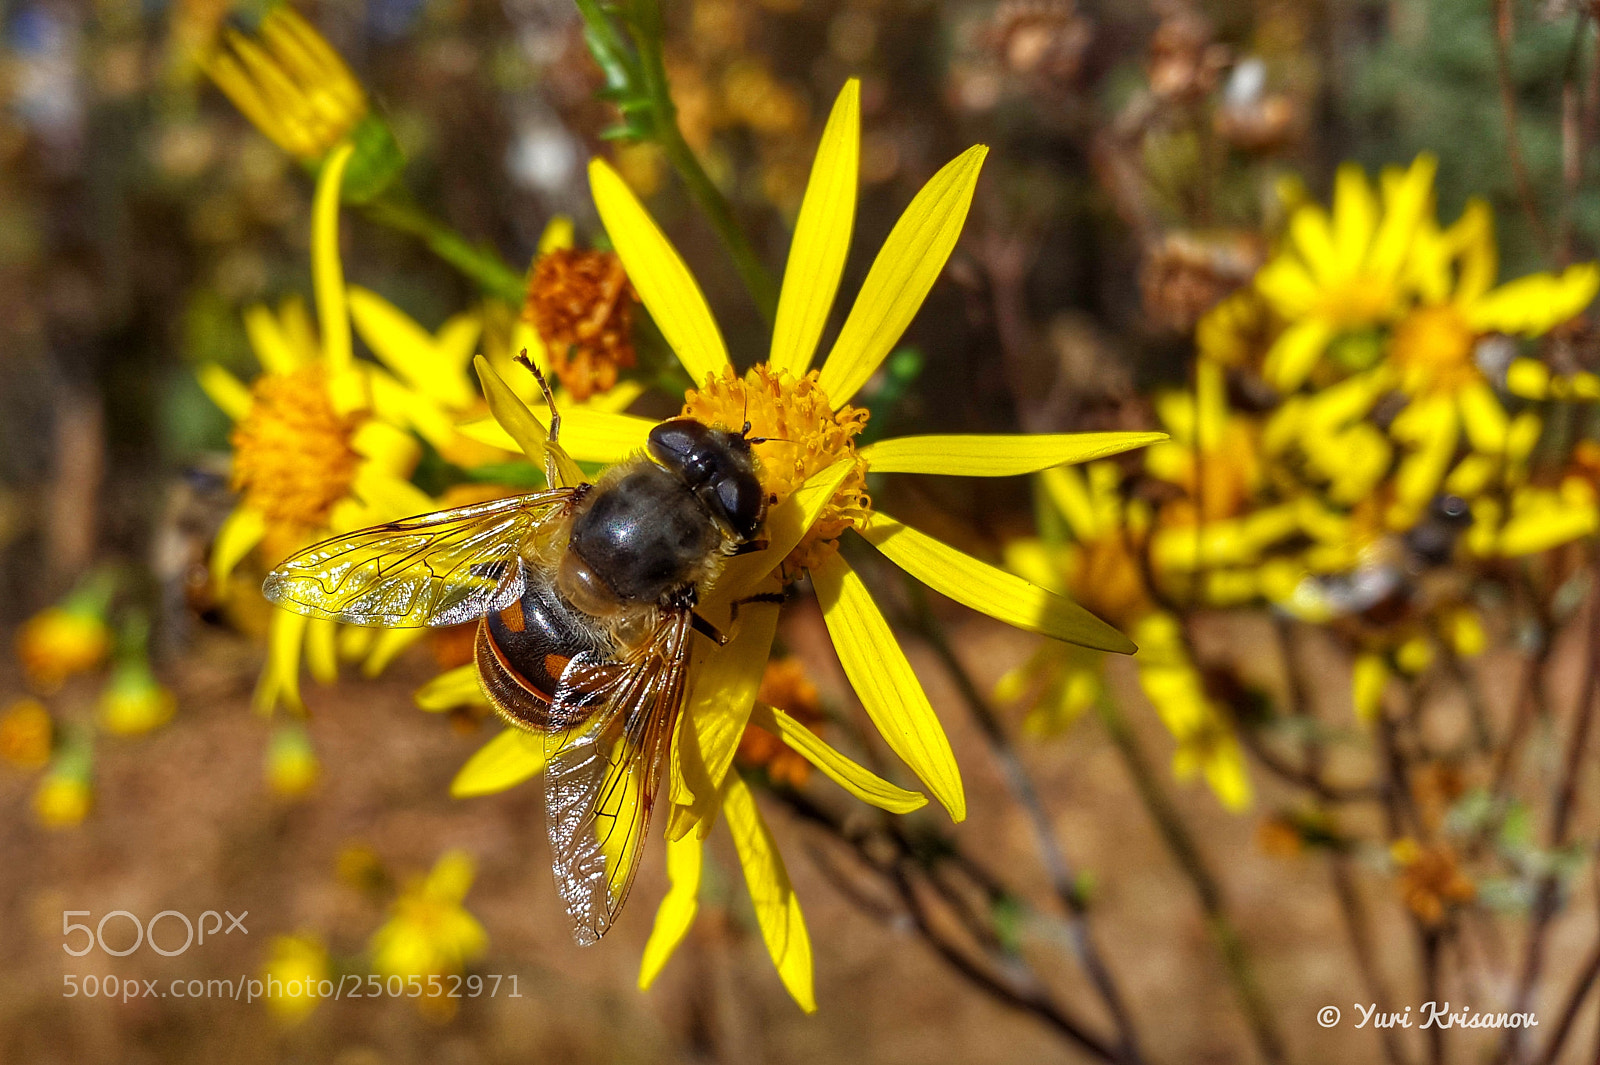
x,y
760,597
705,628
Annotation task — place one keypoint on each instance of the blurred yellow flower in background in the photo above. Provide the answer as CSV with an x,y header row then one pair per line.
x,y
69,638
290,84
310,454
133,701
296,966
26,734
1346,271
1101,568
429,932
291,765
66,792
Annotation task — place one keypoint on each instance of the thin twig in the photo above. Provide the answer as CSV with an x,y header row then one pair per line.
x,y
1360,931
889,855
1235,957
1063,880
1508,108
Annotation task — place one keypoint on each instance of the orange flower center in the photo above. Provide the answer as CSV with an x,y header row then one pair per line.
x,y
802,435
1433,349
292,453
582,305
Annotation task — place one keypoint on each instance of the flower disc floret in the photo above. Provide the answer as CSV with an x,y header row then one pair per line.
x,y
293,453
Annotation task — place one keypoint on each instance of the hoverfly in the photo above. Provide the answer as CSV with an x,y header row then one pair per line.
x,y
585,598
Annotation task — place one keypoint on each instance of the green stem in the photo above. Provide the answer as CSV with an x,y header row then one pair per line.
x,y
646,26
1176,835
479,263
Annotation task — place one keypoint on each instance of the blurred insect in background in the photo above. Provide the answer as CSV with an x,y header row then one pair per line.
x,y
585,597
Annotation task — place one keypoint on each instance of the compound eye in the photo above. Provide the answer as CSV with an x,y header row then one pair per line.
x,y
742,504
681,445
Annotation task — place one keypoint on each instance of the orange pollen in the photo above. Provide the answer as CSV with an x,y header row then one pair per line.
x,y
582,305
292,453
801,435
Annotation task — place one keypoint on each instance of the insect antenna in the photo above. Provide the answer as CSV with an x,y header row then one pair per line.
x,y
550,400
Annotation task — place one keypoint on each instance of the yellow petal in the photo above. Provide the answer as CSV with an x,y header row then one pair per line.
x,y
888,687
226,391
1405,202
997,456
1312,233
1355,214
783,927
274,348
1531,306
664,284
592,435
857,780
989,589
410,350
557,234
821,237
1068,492
1483,417
322,657
280,679
1369,675
504,762
240,533
1528,378
517,420
327,275
909,263
1295,352
723,689
450,689
387,647
678,907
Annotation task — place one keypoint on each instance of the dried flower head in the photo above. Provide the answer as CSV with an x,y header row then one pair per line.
x,y
582,305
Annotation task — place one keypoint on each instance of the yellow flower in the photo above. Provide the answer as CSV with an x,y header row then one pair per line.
x,y
1100,568
813,473
65,794
290,84
312,455
1434,353
133,701
296,969
26,734
429,932
1345,272
66,639
292,768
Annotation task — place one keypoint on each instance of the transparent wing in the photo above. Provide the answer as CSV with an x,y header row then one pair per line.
x,y
615,723
436,569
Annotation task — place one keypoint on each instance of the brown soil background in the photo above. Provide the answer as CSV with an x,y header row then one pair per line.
x,y
184,822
